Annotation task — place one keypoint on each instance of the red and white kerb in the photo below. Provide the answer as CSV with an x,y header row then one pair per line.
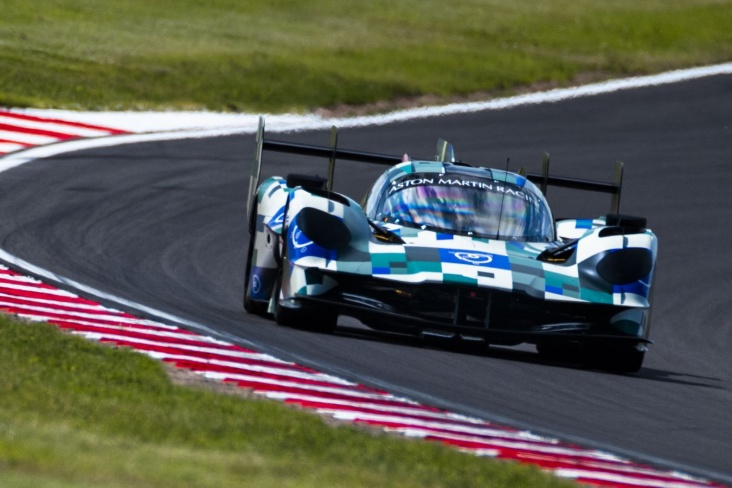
x,y
322,393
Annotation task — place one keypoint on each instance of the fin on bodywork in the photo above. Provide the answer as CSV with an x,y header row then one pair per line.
x,y
332,159
255,171
445,151
619,182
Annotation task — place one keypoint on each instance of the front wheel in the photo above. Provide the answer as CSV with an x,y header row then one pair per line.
x,y
316,319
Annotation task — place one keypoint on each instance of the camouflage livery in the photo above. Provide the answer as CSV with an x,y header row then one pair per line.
x,y
583,285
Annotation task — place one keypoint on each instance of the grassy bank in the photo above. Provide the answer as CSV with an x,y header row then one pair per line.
x,y
264,55
77,414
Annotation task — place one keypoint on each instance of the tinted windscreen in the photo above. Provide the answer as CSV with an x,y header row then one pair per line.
x,y
465,206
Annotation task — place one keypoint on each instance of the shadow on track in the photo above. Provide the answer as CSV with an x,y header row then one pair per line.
x,y
520,355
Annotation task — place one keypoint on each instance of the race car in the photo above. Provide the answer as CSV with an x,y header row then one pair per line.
x,y
453,252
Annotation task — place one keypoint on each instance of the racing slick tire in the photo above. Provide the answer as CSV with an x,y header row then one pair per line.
x,y
312,319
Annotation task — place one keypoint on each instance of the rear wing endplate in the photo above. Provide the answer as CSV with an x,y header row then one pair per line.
x,y
331,152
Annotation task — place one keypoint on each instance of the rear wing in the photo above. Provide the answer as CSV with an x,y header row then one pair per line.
x,y
544,180
445,152
331,152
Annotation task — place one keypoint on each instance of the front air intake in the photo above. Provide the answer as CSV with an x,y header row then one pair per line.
x,y
625,266
324,229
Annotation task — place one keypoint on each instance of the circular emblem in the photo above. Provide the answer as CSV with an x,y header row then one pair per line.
x,y
297,239
473,257
256,284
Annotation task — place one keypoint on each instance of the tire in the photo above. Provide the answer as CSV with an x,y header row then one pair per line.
x,y
317,319
613,359
251,306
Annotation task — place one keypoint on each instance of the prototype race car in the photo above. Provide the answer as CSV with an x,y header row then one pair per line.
x,y
449,251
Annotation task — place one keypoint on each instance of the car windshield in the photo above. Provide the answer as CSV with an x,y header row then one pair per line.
x,y
468,206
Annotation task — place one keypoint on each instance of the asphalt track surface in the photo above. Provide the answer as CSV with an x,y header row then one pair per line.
x,y
163,224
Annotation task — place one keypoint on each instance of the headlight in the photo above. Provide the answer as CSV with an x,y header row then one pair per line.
x,y
625,265
324,229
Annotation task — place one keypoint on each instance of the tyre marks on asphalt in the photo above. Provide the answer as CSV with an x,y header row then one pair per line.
x,y
325,394
19,131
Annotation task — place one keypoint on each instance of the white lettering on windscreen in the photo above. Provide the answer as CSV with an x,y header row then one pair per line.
x,y
481,185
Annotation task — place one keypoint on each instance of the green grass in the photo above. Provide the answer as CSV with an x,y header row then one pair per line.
x,y
77,414
290,55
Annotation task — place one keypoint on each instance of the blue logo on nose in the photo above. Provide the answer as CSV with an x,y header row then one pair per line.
x,y
473,257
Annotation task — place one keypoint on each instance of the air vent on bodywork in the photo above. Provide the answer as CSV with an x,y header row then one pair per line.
x,y
324,229
625,266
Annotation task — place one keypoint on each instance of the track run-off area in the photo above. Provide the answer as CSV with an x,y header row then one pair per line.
x,y
33,288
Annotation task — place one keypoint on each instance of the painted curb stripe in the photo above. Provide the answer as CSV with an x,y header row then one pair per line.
x,y
20,131
162,348
40,132
22,295
265,371
36,286
55,121
392,404
65,130
9,146
424,419
29,137
43,313
81,310
174,338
